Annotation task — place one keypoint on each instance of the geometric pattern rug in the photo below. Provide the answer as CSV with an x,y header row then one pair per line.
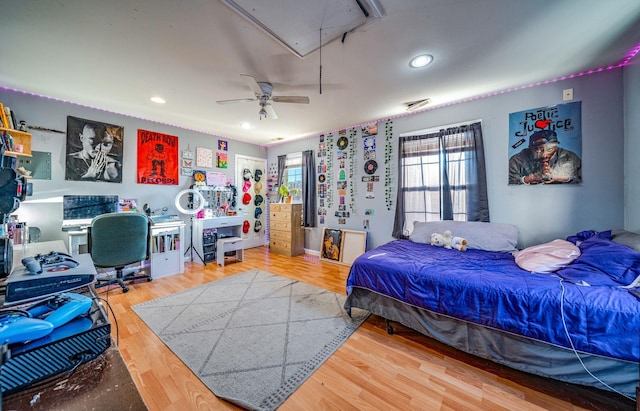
x,y
253,338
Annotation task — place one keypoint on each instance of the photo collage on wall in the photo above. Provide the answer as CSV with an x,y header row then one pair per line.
x,y
369,134
342,180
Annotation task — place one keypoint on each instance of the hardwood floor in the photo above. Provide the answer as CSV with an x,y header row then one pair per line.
x,y
372,370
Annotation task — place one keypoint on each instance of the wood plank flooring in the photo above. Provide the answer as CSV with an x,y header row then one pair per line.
x,y
371,371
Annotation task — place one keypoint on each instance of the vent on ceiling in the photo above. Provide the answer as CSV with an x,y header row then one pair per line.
x,y
296,24
417,105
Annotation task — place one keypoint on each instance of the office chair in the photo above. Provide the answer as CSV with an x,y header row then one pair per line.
x,y
117,240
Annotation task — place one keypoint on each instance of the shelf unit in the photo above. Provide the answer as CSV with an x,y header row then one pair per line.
x,y
166,249
209,241
20,139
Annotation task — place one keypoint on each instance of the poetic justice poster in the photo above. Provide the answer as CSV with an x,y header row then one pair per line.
x,y
157,158
545,145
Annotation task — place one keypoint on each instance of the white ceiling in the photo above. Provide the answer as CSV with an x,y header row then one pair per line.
x,y
116,54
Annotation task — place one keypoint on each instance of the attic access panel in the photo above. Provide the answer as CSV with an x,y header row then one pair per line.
x,y
296,24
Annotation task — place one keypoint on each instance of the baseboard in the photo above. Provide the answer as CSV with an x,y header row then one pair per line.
x,y
315,253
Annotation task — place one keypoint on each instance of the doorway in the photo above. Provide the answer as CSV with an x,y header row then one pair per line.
x,y
251,184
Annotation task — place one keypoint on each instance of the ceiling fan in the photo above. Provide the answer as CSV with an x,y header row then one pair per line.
x,y
262,91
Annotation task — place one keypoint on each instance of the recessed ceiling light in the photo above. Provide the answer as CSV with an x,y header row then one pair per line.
x,y
421,61
158,100
245,125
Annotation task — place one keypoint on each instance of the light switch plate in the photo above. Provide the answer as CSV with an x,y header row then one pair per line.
x,y
567,94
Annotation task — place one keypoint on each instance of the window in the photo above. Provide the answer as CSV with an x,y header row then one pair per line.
x,y
293,174
442,178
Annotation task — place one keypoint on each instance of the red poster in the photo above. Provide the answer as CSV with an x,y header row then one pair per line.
x,y
157,158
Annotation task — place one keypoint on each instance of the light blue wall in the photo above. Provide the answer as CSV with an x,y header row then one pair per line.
x,y
39,210
542,213
632,146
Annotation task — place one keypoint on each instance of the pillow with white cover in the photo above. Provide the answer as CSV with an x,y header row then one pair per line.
x,y
479,235
547,257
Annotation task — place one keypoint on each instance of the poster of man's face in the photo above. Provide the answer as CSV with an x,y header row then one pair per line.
x,y
94,151
545,145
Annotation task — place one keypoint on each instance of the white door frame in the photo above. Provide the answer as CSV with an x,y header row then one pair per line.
x,y
247,212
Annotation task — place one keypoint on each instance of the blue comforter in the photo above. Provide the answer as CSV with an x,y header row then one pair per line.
x,y
488,288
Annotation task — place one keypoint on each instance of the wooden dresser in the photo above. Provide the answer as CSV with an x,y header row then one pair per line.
x,y
285,229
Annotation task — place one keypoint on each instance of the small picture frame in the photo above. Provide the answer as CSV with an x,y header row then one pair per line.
x,y
187,154
354,244
331,246
342,246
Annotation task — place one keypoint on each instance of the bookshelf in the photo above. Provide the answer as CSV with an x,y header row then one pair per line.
x,y
21,142
166,249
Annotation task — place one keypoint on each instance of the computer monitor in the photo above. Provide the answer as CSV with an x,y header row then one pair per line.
x,y
81,209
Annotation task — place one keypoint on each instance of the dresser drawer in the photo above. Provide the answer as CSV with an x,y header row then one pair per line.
x,y
279,225
280,246
280,235
281,215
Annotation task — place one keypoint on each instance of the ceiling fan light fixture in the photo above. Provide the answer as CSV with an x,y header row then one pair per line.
x,y
421,60
262,113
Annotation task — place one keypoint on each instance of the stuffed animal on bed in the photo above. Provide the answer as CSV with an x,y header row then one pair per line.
x,y
447,240
437,240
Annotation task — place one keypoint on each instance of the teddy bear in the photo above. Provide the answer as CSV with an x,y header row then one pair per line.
x,y
437,240
447,240
459,243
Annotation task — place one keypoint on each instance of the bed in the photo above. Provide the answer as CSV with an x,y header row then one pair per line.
x,y
482,302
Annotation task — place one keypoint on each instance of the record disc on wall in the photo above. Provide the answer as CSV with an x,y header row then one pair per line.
x,y
370,166
342,143
322,178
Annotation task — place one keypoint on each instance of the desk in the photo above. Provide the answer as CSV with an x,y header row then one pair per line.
x,y
204,242
78,241
103,383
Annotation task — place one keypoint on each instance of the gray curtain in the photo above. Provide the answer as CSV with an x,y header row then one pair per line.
x,y
308,189
282,161
448,146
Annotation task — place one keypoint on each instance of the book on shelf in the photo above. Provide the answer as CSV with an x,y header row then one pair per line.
x,y
3,117
14,120
8,114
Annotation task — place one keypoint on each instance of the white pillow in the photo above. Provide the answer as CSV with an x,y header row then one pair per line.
x,y
479,235
547,257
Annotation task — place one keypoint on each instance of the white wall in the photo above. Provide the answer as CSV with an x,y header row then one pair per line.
x,y
542,213
39,210
632,146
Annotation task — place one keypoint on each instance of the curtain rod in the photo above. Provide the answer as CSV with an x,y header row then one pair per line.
x,y
438,128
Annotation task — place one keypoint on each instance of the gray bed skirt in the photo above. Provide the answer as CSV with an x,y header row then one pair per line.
x,y
524,354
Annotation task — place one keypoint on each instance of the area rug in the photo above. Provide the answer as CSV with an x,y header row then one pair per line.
x,y
252,338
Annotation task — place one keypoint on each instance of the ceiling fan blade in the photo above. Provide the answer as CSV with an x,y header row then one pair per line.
x,y
253,84
271,112
238,100
291,99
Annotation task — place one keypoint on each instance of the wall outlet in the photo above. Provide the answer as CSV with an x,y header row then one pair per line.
x,y
567,94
